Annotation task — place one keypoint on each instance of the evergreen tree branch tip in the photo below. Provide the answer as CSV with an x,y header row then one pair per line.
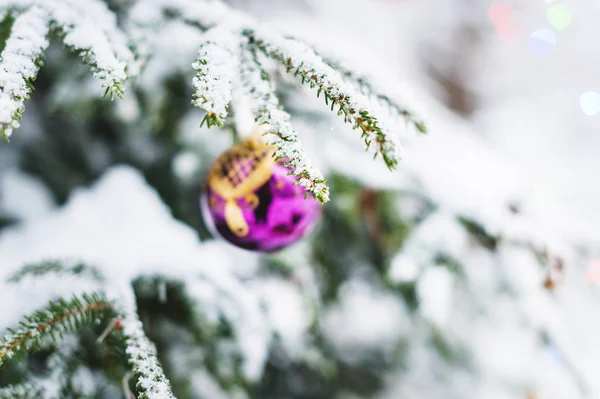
x,y
356,109
261,92
58,317
141,353
86,27
25,390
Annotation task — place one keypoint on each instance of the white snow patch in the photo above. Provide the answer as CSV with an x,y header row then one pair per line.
x,y
24,196
364,319
434,290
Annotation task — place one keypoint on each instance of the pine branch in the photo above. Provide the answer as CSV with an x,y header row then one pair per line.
x,y
141,353
87,27
147,16
22,391
216,66
82,35
57,318
261,91
366,86
202,15
356,108
19,65
96,12
56,267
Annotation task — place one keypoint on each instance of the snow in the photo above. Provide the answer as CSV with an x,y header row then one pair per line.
x,y
287,313
528,143
434,290
216,66
82,33
121,226
185,165
358,108
17,64
88,27
264,103
23,196
364,320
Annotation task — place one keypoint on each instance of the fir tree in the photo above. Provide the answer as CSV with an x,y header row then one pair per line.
x,y
120,291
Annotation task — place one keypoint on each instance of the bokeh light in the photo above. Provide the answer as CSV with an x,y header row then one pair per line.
x,y
500,14
542,41
593,273
559,16
590,103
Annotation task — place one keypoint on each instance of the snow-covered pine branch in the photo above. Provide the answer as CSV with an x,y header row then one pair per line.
x,y
261,92
146,17
365,84
357,109
58,317
84,34
19,64
57,268
97,13
368,86
87,27
22,391
141,353
216,66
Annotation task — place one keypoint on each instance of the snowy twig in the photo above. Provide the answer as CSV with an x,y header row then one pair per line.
x,y
141,353
98,13
356,107
56,267
87,27
58,317
82,35
19,64
367,87
261,91
22,391
215,67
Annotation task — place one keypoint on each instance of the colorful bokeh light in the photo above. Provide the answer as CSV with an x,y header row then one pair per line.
x,y
501,14
542,41
593,273
559,16
590,103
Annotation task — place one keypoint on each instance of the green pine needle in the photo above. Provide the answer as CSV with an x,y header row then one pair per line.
x,y
56,267
58,317
21,391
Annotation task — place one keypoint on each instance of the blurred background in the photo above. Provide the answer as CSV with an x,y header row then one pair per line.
x,y
472,271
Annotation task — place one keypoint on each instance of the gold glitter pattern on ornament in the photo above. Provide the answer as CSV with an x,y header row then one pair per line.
x,y
237,174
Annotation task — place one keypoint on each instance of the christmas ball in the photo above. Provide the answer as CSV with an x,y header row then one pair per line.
x,y
250,200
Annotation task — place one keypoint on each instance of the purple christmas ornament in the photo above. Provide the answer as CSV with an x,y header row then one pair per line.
x,y
251,202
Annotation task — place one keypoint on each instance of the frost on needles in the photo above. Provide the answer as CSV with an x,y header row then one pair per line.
x,y
236,58
90,29
86,27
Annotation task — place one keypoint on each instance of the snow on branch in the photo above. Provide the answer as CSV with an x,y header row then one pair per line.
x,y
19,65
216,66
82,34
261,91
367,87
57,267
141,353
203,15
87,27
58,317
22,391
357,109
146,17
98,13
